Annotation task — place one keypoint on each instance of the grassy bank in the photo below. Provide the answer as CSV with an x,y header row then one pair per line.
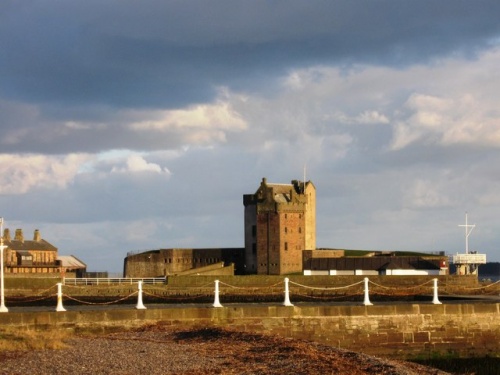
x,y
15,339
469,366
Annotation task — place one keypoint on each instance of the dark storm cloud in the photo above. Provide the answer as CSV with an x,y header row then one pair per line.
x,y
128,125
167,54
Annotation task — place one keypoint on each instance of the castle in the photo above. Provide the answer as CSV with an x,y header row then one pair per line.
x,y
280,239
280,222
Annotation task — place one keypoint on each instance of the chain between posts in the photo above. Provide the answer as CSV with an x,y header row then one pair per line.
x,y
217,292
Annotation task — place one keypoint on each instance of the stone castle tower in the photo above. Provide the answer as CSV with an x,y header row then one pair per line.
x,y
280,222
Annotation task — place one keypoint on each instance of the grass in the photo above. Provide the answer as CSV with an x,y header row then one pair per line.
x,y
15,339
451,362
473,366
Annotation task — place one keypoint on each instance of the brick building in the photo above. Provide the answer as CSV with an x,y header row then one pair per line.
x,y
280,222
36,256
29,256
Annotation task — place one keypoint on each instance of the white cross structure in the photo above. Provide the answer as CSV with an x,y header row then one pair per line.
x,y
468,230
469,262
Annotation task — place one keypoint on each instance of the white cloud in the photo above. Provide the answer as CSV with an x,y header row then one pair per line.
x,y
199,124
451,102
426,194
366,117
458,105
136,163
21,173
447,121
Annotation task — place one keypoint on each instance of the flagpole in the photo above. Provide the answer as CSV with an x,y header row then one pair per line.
x,y
3,308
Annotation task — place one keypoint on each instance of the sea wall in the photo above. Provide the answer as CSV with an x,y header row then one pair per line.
x,y
323,281
405,330
42,282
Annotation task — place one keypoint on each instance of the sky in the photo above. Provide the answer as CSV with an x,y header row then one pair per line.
x,y
136,125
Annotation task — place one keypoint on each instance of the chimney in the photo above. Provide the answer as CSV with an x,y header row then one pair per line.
x,y
6,234
36,236
19,235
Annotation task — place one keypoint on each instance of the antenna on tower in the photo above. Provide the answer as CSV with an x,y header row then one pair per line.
x,y
304,187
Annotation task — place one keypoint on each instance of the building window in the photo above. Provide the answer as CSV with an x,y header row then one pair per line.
x,y
254,230
286,246
300,229
286,230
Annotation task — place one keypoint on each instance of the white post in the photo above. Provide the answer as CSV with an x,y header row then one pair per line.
x,y
3,308
140,305
367,302
60,306
435,300
287,294
216,299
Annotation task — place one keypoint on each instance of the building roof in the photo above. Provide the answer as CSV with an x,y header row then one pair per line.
x,y
19,243
372,263
29,245
70,261
269,194
389,266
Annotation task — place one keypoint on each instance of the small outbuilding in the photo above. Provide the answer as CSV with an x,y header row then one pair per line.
x,y
71,266
375,265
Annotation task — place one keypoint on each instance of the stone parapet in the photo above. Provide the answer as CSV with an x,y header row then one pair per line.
x,y
393,330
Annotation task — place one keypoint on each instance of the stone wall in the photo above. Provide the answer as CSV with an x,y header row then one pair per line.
x,y
455,283
394,330
265,287
164,262
310,219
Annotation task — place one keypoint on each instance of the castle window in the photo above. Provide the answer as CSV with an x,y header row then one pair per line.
x,y
300,229
286,230
286,246
254,230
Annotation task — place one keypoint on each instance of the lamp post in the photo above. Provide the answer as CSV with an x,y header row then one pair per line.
x,y
2,247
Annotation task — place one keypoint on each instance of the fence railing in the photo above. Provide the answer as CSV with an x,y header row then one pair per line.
x,y
112,280
287,290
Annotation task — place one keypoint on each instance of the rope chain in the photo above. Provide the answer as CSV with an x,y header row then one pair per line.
x,y
154,291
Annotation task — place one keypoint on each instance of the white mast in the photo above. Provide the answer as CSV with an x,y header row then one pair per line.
x,y
3,308
468,264
467,233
